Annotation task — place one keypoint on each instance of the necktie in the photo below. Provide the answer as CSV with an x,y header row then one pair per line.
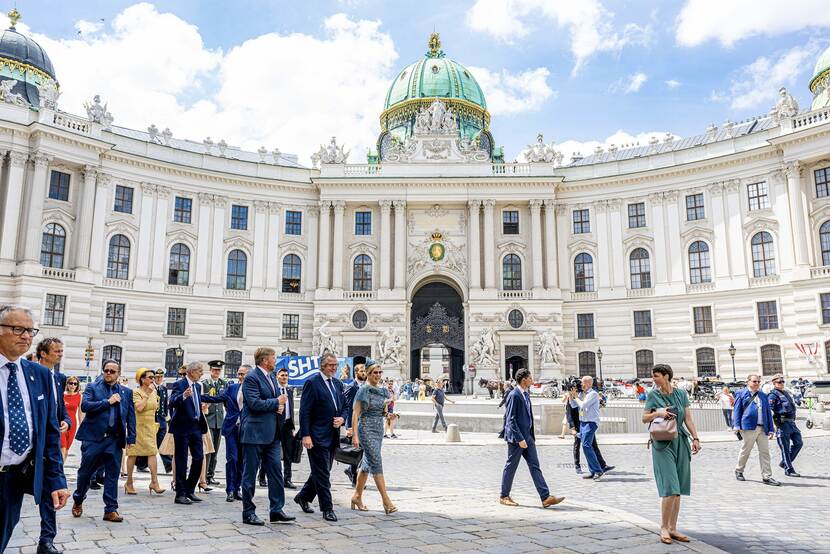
x,y
54,387
527,403
111,420
18,426
196,400
333,394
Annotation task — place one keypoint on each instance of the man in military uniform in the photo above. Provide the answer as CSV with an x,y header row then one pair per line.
x,y
786,431
161,416
215,385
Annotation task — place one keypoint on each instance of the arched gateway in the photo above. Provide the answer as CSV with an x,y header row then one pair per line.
x,y
437,335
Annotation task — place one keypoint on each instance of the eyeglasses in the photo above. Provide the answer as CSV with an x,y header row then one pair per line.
x,y
17,330
755,381
109,371
377,373
240,374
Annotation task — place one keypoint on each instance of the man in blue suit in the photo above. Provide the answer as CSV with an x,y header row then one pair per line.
x,y
521,442
320,421
753,417
188,424
109,425
263,413
30,457
230,430
287,428
348,407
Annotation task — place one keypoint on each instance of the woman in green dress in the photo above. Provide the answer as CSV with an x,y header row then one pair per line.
x,y
671,459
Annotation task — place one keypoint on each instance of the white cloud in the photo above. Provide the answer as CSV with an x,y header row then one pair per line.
x,y
620,139
588,23
629,84
734,20
509,93
672,83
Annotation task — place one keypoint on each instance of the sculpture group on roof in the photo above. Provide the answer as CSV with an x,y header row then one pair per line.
x,y
98,113
539,152
331,154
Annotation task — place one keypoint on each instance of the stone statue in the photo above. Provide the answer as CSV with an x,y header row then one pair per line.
x,y
787,106
327,343
483,351
49,94
9,97
154,134
390,348
550,349
97,113
437,119
332,154
539,152
222,147
208,145
166,135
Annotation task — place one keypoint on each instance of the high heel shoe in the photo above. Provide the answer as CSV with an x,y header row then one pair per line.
x,y
129,489
358,505
156,489
205,488
391,509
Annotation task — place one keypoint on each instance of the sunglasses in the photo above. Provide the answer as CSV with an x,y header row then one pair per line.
x,y
778,382
240,374
109,371
755,381
377,373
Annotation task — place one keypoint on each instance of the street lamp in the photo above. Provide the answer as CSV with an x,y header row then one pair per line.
x,y
179,354
732,351
599,359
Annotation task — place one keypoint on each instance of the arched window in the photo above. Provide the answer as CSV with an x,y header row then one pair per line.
x,y
763,257
706,366
583,273
172,362
118,258
233,359
824,238
640,267
362,273
771,360
179,272
700,268
511,272
645,361
111,352
292,272
52,246
587,364
237,270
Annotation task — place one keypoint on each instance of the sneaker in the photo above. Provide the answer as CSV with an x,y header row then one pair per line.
x,y
771,482
394,436
792,473
597,476
606,469
578,470
588,476
739,476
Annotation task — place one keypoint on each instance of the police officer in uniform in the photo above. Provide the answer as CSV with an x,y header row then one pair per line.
x,y
783,415
214,385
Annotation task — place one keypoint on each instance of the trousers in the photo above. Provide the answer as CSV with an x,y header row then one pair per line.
x,y
48,519
233,462
516,453
269,456
751,438
587,432
13,485
192,441
790,442
439,414
578,449
318,484
210,459
106,454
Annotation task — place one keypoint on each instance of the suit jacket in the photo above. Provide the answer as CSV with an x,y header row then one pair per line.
x,y
62,414
184,416
348,405
745,412
317,411
216,412
162,412
96,407
286,422
260,421
518,418
232,411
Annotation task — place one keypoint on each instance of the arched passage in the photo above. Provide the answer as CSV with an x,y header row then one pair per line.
x,y
437,334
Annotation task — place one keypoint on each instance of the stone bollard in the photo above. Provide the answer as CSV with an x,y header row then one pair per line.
x,y
453,434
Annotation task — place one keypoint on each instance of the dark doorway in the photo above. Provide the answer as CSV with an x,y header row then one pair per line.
x,y
360,353
515,359
438,318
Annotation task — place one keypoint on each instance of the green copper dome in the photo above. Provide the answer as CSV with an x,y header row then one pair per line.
x,y
820,83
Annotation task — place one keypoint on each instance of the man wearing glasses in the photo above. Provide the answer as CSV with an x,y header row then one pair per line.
x,y
783,415
753,417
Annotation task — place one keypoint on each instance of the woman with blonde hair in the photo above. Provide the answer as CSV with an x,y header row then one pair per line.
x,y
146,401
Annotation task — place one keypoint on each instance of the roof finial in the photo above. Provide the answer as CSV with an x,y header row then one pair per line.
x,y
14,17
434,45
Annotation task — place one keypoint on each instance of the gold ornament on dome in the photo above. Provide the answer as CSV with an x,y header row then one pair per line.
x,y
14,17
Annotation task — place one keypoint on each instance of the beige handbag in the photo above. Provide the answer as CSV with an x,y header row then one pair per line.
x,y
663,429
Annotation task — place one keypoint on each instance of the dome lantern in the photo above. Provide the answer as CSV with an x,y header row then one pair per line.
x,y
23,61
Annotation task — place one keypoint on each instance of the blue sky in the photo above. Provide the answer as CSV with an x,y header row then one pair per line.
x,y
576,71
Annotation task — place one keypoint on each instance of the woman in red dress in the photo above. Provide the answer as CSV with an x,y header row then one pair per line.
x,y
72,399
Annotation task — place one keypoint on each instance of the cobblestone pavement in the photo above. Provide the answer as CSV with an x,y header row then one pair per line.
x,y
447,496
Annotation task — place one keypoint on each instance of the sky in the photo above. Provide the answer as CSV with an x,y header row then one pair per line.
x,y
290,75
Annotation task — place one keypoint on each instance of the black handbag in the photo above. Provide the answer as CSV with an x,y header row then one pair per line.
x,y
296,449
348,454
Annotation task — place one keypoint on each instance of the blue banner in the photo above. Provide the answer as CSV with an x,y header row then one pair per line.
x,y
300,368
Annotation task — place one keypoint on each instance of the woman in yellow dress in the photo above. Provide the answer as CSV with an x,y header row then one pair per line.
x,y
146,401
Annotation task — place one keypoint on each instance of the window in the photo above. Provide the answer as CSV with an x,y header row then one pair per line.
x,y
290,326
700,270
757,194
515,318
705,358
59,186
642,323
52,246
292,271
582,221
360,319
172,362
53,313
362,223
827,355
114,319
702,319
233,359
824,238
235,325
179,271
239,217
123,199
763,257
583,273
771,359
587,364
637,217
362,273
511,272
118,258
694,207
175,321
825,308
585,326
510,222
767,315
640,268
111,352
237,270
645,361
822,182
182,210
293,222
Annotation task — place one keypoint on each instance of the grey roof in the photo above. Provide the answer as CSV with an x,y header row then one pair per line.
x,y
21,48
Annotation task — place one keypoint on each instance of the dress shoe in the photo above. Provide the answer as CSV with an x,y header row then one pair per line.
x,y
597,476
113,517
289,485
552,501
739,475
193,497
348,472
792,474
237,496
606,469
263,483
77,510
303,505
588,476
183,500
252,520
507,501
168,469
329,516
142,469
781,465
212,481
281,517
578,470
771,482
95,486
230,497
47,548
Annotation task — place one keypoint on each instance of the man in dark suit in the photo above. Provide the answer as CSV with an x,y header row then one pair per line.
x,y
161,416
108,426
348,407
230,430
321,417
215,385
30,458
188,424
287,428
521,442
263,413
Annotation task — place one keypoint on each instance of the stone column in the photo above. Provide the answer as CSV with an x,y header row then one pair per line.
x,y
781,208
273,271
474,245
86,209
660,257
536,244
385,242
218,263
602,265
34,212
145,233
325,245
489,246
799,236
617,254
310,277
260,247
337,247
675,243
551,269
563,212
203,238
160,251
12,207
737,254
98,246
400,244
720,255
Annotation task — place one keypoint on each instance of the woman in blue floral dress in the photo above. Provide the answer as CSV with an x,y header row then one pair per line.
x,y
367,432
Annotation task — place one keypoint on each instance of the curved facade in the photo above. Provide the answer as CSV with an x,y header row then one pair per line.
x,y
153,249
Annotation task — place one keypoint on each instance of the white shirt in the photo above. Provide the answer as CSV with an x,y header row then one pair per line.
x,y
288,410
239,396
7,457
330,387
